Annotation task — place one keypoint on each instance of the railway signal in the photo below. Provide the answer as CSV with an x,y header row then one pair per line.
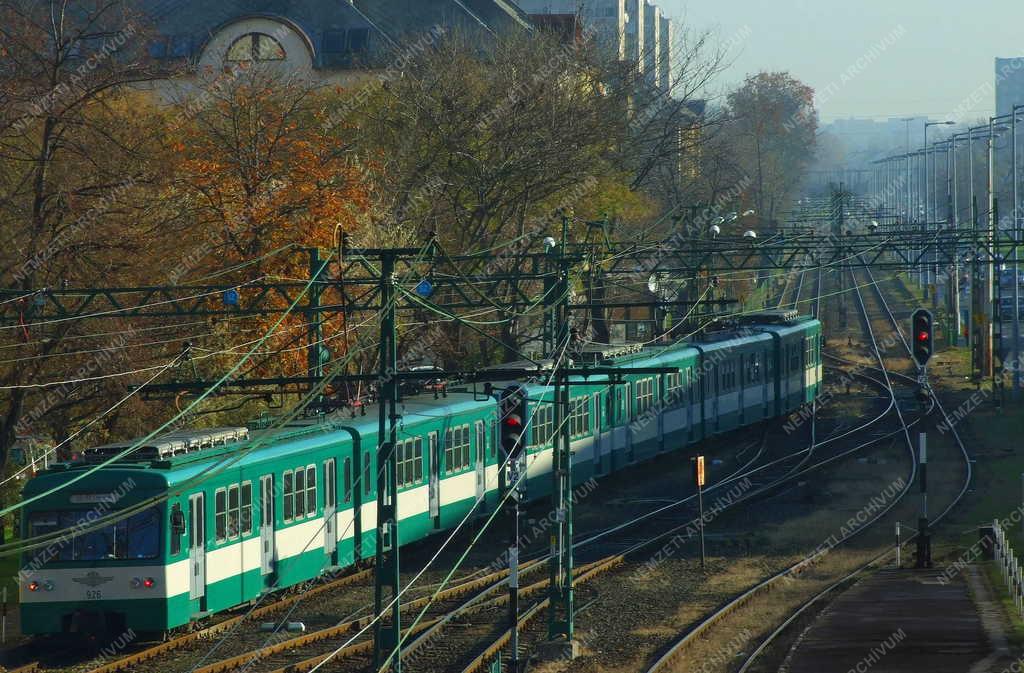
x,y
512,415
921,333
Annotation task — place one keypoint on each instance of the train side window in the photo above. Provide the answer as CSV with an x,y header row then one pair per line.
x,y
288,490
456,448
220,514
300,493
245,518
400,463
310,490
233,512
177,528
347,475
418,456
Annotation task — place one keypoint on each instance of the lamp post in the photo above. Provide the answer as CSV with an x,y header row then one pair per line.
x,y
930,210
907,217
1016,240
988,287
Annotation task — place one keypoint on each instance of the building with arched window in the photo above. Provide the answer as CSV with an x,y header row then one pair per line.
x,y
335,40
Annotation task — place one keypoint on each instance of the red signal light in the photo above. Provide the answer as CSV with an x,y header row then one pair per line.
x,y
513,422
922,336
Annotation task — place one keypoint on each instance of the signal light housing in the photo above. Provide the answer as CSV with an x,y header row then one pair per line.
x,y
513,411
921,329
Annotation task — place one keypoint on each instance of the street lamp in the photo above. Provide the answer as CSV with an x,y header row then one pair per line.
x,y
929,217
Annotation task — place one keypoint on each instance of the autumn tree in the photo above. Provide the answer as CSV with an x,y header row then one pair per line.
x,y
773,131
73,170
259,175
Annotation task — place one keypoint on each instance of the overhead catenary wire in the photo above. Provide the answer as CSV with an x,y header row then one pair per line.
x,y
178,416
437,554
204,474
69,438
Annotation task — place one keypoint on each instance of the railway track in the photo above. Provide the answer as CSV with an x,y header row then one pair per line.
x,y
772,474
226,625
849,578
625,541
668,660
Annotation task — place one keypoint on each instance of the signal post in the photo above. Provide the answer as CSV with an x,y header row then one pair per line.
x,y
921,350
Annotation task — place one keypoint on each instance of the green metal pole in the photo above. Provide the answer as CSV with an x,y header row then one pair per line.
x,y
386,589
315,330
561,620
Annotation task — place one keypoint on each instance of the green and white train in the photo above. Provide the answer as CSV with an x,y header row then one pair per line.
x,y
229,522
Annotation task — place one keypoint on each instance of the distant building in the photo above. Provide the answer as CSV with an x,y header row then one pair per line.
x,y
328,39
667,52
635,44
604,20
635,32
1009,84
652,44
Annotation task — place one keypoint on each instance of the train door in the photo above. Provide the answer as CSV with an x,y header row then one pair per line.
x,y
434,483
661,406
598,436
716,392
267,526
743,363
330,509
627,417
197,549
688,398
481,464
784,374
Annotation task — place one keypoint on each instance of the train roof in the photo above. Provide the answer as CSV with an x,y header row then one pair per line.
x,y
171,456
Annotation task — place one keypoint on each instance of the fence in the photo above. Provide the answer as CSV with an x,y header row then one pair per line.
x,y
1009,566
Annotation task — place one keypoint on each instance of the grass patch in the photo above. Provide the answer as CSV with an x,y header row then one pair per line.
x,y
1015,632
995,435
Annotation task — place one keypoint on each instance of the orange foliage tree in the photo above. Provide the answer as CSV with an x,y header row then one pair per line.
x,y
258,173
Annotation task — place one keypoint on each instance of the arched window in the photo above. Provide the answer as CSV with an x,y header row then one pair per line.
x,y
255,47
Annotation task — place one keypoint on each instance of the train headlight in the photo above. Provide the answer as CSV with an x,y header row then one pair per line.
x,y
149,582
48,585
33,586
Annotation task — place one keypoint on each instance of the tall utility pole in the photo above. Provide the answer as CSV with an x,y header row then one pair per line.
x,y
906,122
561,611
931,211
988,268
386,586
315,320
1016,270
954,223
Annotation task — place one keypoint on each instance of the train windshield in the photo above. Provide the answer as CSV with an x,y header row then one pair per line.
x,y
135,537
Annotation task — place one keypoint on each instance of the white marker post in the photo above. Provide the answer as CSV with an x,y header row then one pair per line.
x,y
699,476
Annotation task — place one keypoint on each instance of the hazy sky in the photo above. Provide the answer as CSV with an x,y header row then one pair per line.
x,y
932,57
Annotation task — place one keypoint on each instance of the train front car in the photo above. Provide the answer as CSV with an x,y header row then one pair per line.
x,y
115,527
91,579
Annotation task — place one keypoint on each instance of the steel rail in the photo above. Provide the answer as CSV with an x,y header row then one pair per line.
x,y
937,405
692,635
